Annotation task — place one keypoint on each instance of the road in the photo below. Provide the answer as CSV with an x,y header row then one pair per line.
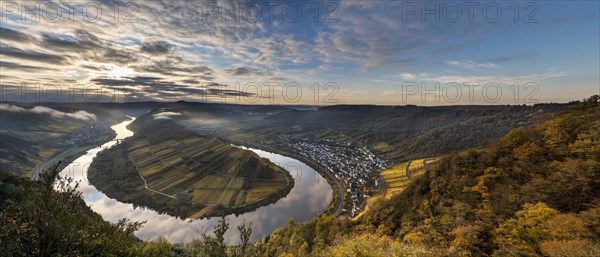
x,y
408,170
46,164
340,204
145,183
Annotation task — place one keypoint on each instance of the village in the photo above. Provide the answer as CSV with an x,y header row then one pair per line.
x,y
350,163
91,131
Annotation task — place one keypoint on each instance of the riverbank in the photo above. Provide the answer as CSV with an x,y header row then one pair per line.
x,y
126,185
337,202
69,155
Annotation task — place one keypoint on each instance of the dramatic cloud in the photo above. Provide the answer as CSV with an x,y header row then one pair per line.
x,y
173,49
156,88
83,43
131,81
80,115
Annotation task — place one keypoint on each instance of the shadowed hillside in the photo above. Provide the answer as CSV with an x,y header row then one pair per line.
x,y
33,135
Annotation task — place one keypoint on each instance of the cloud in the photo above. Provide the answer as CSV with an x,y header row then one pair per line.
x,y
157,47
156,88
84,42
229,92
242,71
32,55
25,68
96,67
171,41
7,34
165,115
408,76
79,115
131,81
507,80
472,65
174,67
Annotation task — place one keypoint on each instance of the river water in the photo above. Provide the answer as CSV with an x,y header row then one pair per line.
x,y
309,197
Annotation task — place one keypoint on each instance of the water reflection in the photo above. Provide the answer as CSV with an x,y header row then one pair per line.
x,y
309,197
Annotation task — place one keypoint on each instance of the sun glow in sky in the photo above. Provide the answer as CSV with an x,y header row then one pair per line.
x,y
303,52
117,72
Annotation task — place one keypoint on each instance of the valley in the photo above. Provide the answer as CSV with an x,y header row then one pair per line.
x,y
186,175
180,176
183,164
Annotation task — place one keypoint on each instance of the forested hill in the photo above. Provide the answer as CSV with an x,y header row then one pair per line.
x,y
36,220
535,192
398,132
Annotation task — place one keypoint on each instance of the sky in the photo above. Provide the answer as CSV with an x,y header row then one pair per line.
x,y
300,52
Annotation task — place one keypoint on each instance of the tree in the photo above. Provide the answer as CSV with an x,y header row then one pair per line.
x,y
214,246
48,218
523,234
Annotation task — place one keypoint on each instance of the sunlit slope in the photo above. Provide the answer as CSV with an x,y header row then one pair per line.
x,y
396,178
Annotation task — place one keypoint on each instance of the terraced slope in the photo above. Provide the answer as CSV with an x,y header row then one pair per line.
x,y
397,178
209,170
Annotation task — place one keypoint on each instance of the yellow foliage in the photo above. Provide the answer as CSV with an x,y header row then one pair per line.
x,y
570,248
369,245
466,240
522,234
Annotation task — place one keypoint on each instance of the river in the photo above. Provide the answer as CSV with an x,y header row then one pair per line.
x,y
309,197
